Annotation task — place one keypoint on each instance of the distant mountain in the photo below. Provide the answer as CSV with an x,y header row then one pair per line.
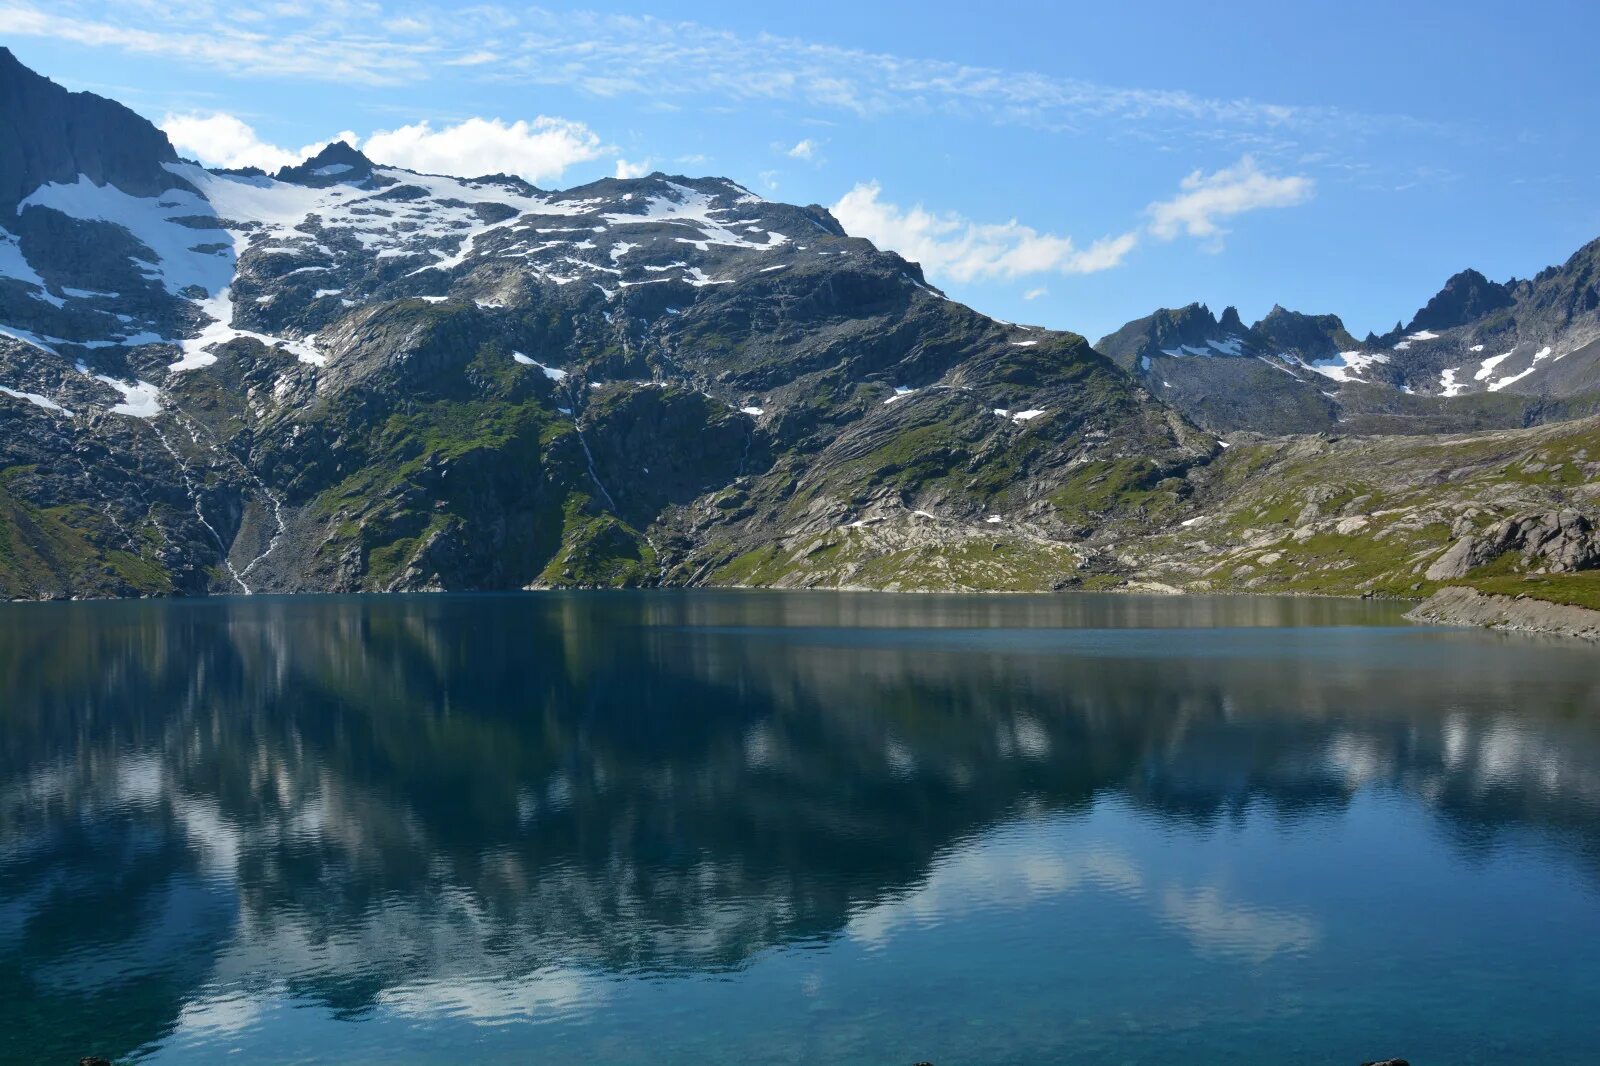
x,y
1514,353
1277,376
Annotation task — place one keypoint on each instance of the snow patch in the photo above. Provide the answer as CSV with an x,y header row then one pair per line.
x,y
37,400
1540,356
1347,366
139,400
1490,364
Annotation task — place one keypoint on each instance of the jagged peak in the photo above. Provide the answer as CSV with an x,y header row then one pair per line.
x,y
1466,296
340,152
339,161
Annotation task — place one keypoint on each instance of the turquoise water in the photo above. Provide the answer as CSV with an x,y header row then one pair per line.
x,y
748,828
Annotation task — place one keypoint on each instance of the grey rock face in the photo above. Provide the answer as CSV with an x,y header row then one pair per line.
x,y
1560,542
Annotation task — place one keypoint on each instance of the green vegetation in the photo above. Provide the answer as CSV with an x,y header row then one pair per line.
x,y
49,551
1577,590
1122,485
598,549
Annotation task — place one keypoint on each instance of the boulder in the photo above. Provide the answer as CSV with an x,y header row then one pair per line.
x,y
1558,541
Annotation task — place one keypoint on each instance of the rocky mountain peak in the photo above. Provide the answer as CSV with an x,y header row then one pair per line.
x,y
1466,297
1230,322
1311,337
338,162
48,134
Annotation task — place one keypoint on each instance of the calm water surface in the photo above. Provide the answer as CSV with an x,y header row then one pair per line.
x,y
748,828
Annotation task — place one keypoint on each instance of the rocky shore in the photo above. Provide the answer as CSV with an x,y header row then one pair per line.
x,y
1458,606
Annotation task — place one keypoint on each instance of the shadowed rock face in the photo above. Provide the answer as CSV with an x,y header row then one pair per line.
x,y
1465,297
1561,542
51,134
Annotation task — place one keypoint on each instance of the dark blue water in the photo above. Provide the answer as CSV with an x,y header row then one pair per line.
x,y
750,828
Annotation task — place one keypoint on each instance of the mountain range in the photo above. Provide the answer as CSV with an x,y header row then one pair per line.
x,y
347,376
1478,353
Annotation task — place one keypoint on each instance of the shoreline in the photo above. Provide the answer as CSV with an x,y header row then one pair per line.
x,y
1457,606
1460,605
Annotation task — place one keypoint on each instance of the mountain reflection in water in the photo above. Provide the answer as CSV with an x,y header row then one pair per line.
x,y
433,815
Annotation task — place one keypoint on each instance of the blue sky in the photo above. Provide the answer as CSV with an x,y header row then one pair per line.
x,y
1069,165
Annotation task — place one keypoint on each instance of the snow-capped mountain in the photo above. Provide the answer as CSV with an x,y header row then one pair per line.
x,y
212,257
351,376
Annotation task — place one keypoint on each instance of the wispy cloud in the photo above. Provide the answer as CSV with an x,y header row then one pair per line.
x,y
952,247
959,249
540,149
473,59
806,149
1204,199
613,55
239,41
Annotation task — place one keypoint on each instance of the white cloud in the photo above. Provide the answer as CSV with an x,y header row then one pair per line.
x,y
473,59
1204,199
626,169
1034,294
951,246
537,150
954,247
222,140
806,149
